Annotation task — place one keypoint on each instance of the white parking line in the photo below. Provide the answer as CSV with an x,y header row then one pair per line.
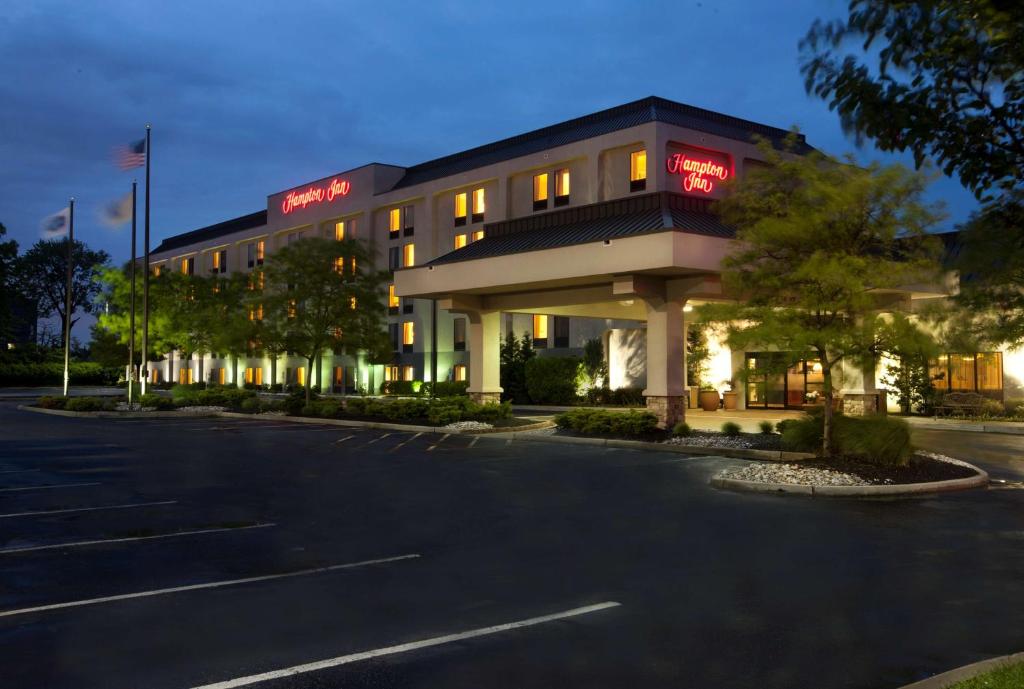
x,y
443,437
405,442
17,471
378,439
209,585
473,442
341,440
88,509
403,648
56,485
102,541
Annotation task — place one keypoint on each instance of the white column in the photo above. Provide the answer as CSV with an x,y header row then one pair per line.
x,y
484,329
665,355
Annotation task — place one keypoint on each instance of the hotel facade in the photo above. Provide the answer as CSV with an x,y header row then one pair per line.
x,y
598,227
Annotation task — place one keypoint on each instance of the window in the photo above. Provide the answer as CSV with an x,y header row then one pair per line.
x,y
220,261
390,373
392,299
408,335
460,209
638,170
339,230
459,372
407,305
540,331
254,254
154,376
339,264
156,271
562,187
540,191
256,312
981,372
250,377
478,205
393,258
479,234
221,375
561,331
291,308
300,376
394,223
408,255
256,280
260,246
352,303
393,332
459,335
338,378
188,266
408,218
407,373
185,376
293,237
460,241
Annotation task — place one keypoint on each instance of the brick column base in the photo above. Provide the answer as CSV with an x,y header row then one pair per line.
x,y
485,397
864,403
669,410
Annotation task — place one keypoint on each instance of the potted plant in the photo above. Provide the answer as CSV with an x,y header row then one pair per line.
x,y
729,397
708,398
697,355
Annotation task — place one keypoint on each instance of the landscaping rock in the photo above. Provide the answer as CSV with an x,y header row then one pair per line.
x,y
468,426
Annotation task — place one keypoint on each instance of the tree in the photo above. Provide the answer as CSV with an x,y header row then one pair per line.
x,y
42,276
116,318
106,349
8,261
329,292
821,248
230,324
514,354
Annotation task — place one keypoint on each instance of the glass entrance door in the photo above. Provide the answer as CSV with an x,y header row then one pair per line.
x,y
766,384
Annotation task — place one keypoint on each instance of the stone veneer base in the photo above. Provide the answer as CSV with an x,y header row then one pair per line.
x,y
670,410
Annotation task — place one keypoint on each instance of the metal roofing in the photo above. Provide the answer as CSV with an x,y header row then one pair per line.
x,y
657,212
638,112
245,222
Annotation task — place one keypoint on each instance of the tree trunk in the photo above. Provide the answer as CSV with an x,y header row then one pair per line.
x,y
234,373
826,441
309,374
273,371
170,366
200,367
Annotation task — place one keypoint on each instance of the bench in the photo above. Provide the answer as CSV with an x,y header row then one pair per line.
x,y
961,403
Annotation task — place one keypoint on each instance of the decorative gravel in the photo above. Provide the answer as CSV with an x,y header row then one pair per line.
x,y
123,406
745,441
201,409
468,426
770,472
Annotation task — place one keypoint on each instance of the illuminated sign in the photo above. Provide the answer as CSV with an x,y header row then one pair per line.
x,y
312,195
698,172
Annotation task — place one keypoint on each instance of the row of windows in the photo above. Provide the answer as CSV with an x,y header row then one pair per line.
x,y
479,207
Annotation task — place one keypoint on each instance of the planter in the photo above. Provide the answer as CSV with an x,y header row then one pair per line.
x,y
729,400
692,397
709,400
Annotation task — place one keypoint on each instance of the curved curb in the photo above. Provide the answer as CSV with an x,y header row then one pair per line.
x,y
117,414
980,480
946,679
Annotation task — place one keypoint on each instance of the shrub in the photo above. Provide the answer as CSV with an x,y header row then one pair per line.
x,y
627,397
603,422
49,402
445,388
731,428
488,412
876,439
250,406
1014,407
158,402
52,373
781,426
551,379
400,387
766,427
992,408
405,410
84,404
682,429
294,402
804,434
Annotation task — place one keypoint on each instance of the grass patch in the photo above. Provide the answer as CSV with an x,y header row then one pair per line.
x,y
1008,677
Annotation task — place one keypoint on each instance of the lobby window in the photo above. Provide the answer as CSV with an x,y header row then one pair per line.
x,y
638,170
460,241
408,335
540,331
394,258
339,230
459,335
392,300
540,191
407,373
393,333
981,372
408,220
479,234
394,223
459,372
562,187
408,255
460,209
254,376
188,266
478,205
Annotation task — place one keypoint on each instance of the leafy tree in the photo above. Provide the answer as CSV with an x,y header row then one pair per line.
x,y
106,349
115,319
821,244
226,319
329,292
270,333
514,354
42,275
8,261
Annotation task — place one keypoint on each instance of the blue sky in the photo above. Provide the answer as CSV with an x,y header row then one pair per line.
x,y
249,98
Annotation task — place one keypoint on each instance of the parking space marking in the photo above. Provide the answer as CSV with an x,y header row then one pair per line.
x,y
405,442
432,447
103,541
88,509
208,585
473,442
55,485
403,648
341,440
378,438
18,471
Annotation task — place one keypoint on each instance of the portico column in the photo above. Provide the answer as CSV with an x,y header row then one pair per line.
x,y
666,347
484,356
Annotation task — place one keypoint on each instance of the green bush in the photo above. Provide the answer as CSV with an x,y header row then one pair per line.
x,y
682,429
876,439
84,404
552,379
52,373
294,402
766,427
781,426
731,428
49,402
1014,407
406,410
992,408
445,388
603,422
250,406
400,387
158,402
627,397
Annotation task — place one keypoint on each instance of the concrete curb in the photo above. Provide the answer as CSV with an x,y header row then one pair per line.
x,y
971,428
898,490
117,414
947,679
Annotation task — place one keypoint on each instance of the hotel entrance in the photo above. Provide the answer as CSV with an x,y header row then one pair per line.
x,y
774,382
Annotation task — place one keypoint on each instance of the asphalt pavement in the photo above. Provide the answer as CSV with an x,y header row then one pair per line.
x,y
223,552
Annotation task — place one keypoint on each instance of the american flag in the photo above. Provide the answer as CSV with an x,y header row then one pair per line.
x,y
132,155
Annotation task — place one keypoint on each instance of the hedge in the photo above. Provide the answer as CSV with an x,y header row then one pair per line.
x,y
552,379
877,439
630,424
437,412
52,373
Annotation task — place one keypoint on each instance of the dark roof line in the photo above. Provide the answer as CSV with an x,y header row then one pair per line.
x,y
245,222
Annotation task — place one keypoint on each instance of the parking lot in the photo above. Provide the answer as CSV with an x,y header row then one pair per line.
x,y
230,553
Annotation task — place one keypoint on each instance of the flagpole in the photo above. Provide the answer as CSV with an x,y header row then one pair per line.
x,y
67,305
145,278
131,319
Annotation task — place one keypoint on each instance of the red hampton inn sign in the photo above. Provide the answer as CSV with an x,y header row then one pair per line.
x,y
315,194
698,171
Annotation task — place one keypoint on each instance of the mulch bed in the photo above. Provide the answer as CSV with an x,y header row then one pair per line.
x,y
920,470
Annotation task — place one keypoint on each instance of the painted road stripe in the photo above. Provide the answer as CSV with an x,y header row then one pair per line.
x,y
378,438
56,485
473,442
89,509
403,648
341,440
102,541
209,585
405,442
443,437
17,471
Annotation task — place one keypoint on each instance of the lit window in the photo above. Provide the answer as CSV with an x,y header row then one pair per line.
x,y
394,221
408,333
562,186
460,208
407,373
156,271
300,376
221,375
339,264
479,234
540,191
353,265
390,373
460,241
637,170
352,303
291,308
339,230
259,312
250,376
339,376
408,255
392,297
261,280
478,205
187,266
540,327
459,372
216,261
259,252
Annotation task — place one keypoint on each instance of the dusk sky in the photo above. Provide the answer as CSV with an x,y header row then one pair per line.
x,y
247,99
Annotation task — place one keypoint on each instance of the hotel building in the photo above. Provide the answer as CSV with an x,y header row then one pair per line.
x,y
595,227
